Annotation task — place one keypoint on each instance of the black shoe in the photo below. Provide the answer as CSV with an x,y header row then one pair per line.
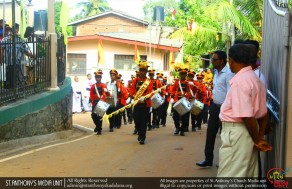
x,y
98,133
125,123
142,142
176,131
130,122
157,126
204,163
186,130
163,125
111,130
149,128
199,128
118,127
182,133
135,132
194,129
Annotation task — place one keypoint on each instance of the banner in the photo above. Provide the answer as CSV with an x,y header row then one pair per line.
x,y
137,55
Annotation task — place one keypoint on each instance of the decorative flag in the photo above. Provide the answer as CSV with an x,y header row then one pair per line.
x,y
171,60
191,25
137,55
23,23
173,14
100,53
64,18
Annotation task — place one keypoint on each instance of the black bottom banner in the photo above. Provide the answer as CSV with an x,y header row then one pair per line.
x,y
142,182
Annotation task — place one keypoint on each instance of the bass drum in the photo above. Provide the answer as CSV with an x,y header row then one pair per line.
x,y
100,108
157,101
182,106
197,107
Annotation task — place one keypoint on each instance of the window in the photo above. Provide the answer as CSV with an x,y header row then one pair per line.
x,y
76,64
126,62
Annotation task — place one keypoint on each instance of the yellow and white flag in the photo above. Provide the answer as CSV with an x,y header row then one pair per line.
x,y
137,55
100,54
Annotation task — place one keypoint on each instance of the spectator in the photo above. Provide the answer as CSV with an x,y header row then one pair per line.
x,y
244,104
8,57
221,85
86,100
77,96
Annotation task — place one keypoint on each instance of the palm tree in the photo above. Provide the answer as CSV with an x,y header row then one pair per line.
x,y
93,7
214,20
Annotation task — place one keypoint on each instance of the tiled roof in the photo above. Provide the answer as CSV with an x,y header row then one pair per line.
x,y
107,13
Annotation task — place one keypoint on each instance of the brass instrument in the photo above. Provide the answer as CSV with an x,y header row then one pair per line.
x,y
132,104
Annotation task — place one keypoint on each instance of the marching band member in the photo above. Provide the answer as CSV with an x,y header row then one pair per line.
x,y
159,78
129,110
166,101
113,87
201,95
123,96
155,85
141,86
97,93
193,90
208,103
137,74
180,89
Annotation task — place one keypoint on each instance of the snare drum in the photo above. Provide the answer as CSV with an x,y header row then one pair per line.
x,y
100,108
197,107
157,101
182,106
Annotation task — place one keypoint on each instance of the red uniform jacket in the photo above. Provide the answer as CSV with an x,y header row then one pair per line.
x,y
137,83
157,84
93,95
177,93
123,94
193,89
168,93
209,97
202,93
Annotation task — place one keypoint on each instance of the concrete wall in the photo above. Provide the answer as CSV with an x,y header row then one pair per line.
x,y
39,114
89,47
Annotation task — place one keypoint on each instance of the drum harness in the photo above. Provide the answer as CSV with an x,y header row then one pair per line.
x,y
97,92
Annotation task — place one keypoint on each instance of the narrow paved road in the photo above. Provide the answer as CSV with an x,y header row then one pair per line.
x,y
116,154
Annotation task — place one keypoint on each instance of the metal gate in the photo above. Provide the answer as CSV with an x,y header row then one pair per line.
x,y
275,66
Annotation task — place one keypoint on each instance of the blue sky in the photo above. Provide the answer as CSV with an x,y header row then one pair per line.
x,y
130,7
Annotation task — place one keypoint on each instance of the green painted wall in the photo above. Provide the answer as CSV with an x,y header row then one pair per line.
x,y
34,103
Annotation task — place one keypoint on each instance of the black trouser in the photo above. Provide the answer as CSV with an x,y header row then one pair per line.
x,y
158,114
141,118
184,120
115,120
205,113
164,112
124,116
97,120
212,130
129,114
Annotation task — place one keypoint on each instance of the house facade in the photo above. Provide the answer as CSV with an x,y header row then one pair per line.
x,y
119,36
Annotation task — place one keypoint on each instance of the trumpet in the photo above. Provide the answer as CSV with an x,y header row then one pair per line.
x,y
132,104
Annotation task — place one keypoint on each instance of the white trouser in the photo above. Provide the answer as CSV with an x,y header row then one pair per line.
x,y
237,156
